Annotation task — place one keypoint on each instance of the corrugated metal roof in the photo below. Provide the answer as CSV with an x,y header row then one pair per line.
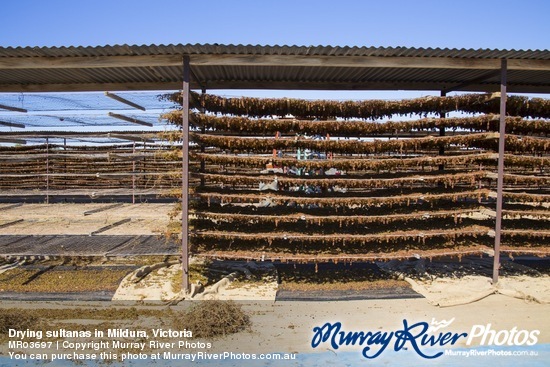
x,y
217,49
217,66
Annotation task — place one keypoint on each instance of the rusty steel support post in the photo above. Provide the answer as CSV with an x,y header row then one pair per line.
x,y
500,179
203,131
65,159
442,133
47,171
185,177
134,173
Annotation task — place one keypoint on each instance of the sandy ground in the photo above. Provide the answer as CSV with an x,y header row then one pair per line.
x,y
519,302
287,326
69,219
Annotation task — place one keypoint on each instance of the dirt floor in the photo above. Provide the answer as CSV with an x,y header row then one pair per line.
x,y
430,291
287,326
84,219
275,325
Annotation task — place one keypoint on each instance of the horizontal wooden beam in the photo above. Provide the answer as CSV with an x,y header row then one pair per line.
x,y
484,77
124,100
131,138
13,141
12,124
366,62
267,84
92,62
365,85
87,62
90,87
130,119
10,108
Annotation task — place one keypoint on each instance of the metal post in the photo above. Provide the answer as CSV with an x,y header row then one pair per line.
x,y
134,173
500,180
442,133
47,171
203,130
65,159
185,177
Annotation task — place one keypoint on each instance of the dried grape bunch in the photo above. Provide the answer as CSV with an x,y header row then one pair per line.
x,y
422,187
366,109
358,128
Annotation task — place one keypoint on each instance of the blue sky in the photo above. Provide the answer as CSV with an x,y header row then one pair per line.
x,y
505,24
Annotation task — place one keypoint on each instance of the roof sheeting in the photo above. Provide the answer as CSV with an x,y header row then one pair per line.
x,y
213,66
217,49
